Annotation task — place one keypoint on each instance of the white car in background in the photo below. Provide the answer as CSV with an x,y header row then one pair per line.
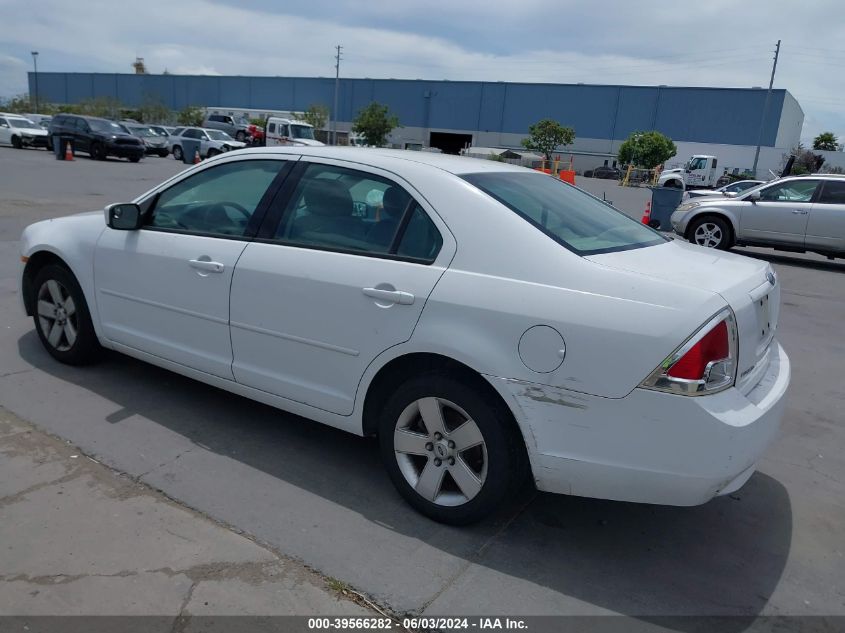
x,y
732,189
485,321
211,142
20,132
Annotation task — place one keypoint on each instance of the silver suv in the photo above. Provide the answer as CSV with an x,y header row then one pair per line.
x,y
799,214
236,128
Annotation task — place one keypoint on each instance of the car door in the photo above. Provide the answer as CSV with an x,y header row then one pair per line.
x,y
826,224
164,289
780,215
81,133
339,273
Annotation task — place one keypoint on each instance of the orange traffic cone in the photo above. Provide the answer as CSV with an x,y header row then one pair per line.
x,y
69,151
197,158
647,213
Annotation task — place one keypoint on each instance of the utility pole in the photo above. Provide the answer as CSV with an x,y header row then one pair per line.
x,y
336,87
35,63
765,110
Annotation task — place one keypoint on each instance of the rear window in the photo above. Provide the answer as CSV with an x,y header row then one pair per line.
x,y
576,220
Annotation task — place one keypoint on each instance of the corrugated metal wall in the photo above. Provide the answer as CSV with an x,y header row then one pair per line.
x,y
705,115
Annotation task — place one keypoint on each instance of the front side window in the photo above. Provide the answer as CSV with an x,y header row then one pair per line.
x,y
833,192
571,217
348,210
791,191
697,163
217,201
302,131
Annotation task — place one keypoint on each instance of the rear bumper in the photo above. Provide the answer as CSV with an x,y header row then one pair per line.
x,y
649,447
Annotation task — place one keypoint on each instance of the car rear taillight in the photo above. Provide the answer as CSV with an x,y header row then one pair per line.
x,y
705,363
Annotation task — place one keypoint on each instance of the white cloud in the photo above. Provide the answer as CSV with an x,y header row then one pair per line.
x,y
721,43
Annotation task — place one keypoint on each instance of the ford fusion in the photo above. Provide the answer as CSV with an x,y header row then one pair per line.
x,y
485,322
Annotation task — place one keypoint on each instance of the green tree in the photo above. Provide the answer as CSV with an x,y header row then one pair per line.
x,y
317,115
191,115
106,107
18,104
153,110
375,123
646,149
546,135
826,141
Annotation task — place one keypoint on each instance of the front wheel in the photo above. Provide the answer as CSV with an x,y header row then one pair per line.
x,y
240,136
211,153
134,159
711,232
16,142
61,317
452,453
98,152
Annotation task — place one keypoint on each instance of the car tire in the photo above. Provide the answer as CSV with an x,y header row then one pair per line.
x,y
240,136
177,152
711,232
162,153
61,317
98,152
16,142
134,159
211,152
427,471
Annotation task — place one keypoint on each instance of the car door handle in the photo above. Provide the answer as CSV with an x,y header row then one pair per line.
x,y
800,211
206,265
392,296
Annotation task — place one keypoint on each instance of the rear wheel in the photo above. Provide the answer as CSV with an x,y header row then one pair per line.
x,y
711,232
452,453
177,152
61,317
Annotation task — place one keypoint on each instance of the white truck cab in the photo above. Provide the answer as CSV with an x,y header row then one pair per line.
x,y
281,131
699,172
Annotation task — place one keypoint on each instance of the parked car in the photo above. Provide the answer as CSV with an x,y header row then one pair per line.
x,y
604,171
161,130
153,143
212,142
800,213
237,128
600,357
99,138
733,188
20,132
41,119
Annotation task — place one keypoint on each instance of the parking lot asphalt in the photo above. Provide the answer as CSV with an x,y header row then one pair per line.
x,y
776,547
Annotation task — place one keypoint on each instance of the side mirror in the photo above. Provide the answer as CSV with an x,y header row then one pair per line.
x,y
754,196
123,216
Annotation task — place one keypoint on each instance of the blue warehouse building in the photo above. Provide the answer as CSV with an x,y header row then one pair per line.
x,y
453,114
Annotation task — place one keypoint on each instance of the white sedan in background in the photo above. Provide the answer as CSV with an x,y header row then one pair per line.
x,y
485,321
20,132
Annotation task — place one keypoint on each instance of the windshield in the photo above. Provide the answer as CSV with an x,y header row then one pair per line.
x,y
302,131
98,125
24,124
571,217
217,135
143,131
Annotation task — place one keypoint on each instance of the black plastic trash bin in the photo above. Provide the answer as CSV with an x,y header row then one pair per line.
x,y
190,147
60,144
664,201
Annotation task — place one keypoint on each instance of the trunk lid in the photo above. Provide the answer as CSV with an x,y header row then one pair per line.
x,y
744,283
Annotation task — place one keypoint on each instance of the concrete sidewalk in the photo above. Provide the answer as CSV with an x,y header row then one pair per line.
x,y
76,538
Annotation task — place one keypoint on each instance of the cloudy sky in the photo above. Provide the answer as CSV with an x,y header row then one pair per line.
x,y
712,43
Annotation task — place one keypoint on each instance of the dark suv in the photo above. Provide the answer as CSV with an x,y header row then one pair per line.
x,y
97,137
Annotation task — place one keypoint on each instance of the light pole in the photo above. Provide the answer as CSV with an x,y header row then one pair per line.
x,y
35,63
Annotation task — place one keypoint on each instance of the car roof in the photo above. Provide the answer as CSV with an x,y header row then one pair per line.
x,y
387,158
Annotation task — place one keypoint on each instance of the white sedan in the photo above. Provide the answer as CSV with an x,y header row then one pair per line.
x,y
484,321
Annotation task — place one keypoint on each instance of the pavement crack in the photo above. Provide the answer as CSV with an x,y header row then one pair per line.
x,y
162,465
21,495
62,579
182,620
15,373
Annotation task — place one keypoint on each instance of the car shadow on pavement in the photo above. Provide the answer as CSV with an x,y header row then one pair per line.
x,y
833,266
723,558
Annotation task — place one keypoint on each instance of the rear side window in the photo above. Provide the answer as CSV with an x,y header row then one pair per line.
x,y
833,192
571,217
336,208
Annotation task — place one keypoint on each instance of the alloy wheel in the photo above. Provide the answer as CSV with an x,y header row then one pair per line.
x,y
708,234
57,315
440,451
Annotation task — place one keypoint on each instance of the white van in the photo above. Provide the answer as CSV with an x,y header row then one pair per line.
x,y
279,131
